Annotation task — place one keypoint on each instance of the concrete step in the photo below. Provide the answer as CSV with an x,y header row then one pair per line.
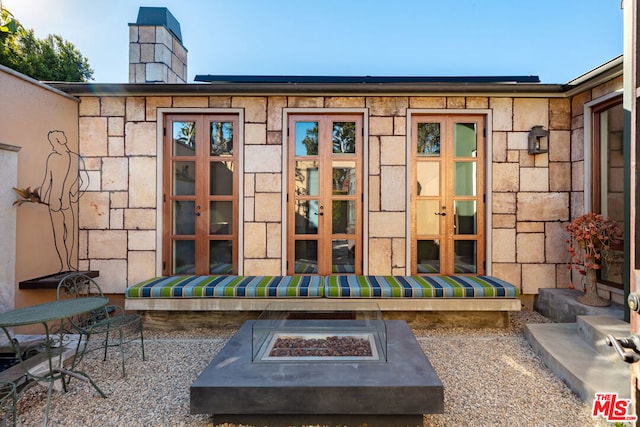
x,y
560,305
594,330
577,362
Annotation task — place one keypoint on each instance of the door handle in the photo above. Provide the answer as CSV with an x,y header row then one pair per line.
x,y
627,348
440,213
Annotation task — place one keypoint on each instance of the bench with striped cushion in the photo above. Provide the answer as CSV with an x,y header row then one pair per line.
x,y
357,286
228,287
335,286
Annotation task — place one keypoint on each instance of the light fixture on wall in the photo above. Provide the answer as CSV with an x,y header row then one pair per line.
x,y
538,140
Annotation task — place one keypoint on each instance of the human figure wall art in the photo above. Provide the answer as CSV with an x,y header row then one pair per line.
x,y
65,180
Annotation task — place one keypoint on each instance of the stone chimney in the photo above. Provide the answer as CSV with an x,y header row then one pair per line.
x,y
156,53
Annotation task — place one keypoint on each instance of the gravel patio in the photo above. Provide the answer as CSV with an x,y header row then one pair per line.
x,y
491,378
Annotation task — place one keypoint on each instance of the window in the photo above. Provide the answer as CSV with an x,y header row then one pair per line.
x,y
608,177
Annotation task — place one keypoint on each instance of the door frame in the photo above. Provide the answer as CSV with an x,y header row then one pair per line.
x,y
160,119
364,112
488,115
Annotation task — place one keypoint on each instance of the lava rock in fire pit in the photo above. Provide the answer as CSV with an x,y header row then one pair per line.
x,y
333,346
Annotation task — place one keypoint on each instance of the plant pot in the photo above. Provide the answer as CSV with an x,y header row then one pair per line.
x,y
591,296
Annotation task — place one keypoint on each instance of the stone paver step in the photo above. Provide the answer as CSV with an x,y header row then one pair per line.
x,y
576,362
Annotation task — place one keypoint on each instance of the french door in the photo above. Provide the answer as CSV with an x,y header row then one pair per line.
x,y
324,208
448,193
200,188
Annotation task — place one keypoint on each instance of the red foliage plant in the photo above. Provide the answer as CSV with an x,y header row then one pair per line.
x,y
590,239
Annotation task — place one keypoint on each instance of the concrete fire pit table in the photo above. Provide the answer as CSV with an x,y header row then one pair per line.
x,y
249,383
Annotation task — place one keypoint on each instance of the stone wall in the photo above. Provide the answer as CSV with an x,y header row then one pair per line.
x,y
156,56
532,197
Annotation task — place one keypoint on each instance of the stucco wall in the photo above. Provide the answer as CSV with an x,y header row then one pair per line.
x,y
30,110
531,196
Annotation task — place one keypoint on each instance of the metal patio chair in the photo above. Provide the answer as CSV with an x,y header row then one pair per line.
x,y
8,403
110,324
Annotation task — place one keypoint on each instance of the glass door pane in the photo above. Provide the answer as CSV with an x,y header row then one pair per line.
x,y
447,221
200,188
324,194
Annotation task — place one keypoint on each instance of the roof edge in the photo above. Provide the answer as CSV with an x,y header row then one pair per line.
x,y
306,88
301,79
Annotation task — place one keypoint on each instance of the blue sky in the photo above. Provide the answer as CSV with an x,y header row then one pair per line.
x,y
557,40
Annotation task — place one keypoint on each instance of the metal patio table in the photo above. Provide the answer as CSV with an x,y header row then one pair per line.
x,y
46,313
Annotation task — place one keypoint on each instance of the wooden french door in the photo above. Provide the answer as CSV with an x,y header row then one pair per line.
x,y
324,208
448,193
200,188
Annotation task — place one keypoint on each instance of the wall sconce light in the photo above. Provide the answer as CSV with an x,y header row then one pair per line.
x,y
538,140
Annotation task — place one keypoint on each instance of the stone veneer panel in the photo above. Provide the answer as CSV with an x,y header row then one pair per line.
x,y
555,243
509,272
392,150
108,244
344,102
113,274
115,171
559,114
112,106
529,112
536,276
386,224
380,256
263,158
255,134
387,105
140,139
530,248
255,108
381,126
392,194
275,104
506,177
142,240
93,210
140,219
502,113
398,253
266,267
255,240
141,266
560,146
93,136
274,242
543,207
268,182
534,179
504,245
142,182
268,207
504,203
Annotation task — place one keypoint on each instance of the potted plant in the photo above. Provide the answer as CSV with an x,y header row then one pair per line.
x,y
590,239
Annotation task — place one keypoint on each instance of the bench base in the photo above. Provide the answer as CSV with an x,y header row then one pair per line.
x,y
172,320
385,304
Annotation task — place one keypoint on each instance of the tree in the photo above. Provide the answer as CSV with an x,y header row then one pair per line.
x,y
49,59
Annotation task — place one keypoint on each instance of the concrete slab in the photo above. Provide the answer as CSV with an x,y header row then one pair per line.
x,y
236,389
561,306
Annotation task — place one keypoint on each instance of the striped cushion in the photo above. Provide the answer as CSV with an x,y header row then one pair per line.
x,y
353,286
228,286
